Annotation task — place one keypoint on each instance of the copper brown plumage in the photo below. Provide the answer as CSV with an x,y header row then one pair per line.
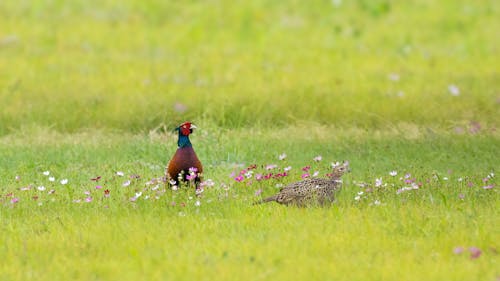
x,y
185,164
314,191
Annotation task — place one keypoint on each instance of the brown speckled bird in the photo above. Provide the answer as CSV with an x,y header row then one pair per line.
x,y
184,165
311,191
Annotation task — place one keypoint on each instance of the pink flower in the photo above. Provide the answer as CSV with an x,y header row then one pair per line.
x,y
259,177
127,183
474,252
461,196
268,176
88,199
193,170
14,200
191,177
271,166
98,187
304,176
488,186
258,192
239,178
458,250
306,168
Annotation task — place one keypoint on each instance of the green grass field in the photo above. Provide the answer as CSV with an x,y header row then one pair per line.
x,y
407,92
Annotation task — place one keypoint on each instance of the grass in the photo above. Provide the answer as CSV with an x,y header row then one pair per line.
x,y
409,236
92,89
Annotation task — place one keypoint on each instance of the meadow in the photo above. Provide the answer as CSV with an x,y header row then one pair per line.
x,y
406,91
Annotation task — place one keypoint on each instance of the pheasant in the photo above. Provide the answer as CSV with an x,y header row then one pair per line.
x,y
184,165
311,191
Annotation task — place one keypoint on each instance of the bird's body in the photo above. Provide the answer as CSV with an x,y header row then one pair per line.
x,y
311,191
184,165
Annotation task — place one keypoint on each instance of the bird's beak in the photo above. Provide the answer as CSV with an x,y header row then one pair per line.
x,y
193,126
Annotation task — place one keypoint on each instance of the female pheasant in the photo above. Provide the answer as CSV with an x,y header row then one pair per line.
x,y
184,165
311,191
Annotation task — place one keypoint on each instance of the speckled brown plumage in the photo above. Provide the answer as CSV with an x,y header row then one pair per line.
x,y
311,191
184,158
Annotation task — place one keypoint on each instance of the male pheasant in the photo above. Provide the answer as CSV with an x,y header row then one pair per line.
x,y
184,165
311,191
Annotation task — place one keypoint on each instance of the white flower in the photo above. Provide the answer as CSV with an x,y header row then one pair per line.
x,y
52,179
286,169
127,183
41,188
378,182
454,90
64,181
357,198
377,202
336,164
248,174
155,187
393,173
315,174
282,156
138,194
197,203
174,187
445,178
318,158
120,174
460,179
360,193
46,173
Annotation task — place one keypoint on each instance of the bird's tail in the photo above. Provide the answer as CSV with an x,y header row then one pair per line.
x,y
265,200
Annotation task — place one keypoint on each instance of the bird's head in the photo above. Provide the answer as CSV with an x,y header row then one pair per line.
x,y
185,128
340,168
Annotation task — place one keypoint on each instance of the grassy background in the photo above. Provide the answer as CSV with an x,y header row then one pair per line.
x,y
138,65
91,88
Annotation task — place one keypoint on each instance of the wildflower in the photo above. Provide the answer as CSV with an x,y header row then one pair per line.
x,y
393,173
335,164
41,188
271,166
458,250
174,187
64,181
445,178
120,173
106,193
86,192
318,158
52,179
490,186
474,252
125,184
46,173
98,187
18,178
25,188
357,198
393,77
52,191
407,176
470,184
315,174
197,203
172,182
282,156
77,201
268,176
207,183
286,169
258,192
377,202
96,178
14,200
88,199
133,199
304,176
193,170
259,177
454,90
460,179
248,174
461,196
191,177
306,168
199,190
378,182
239,178
138,194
